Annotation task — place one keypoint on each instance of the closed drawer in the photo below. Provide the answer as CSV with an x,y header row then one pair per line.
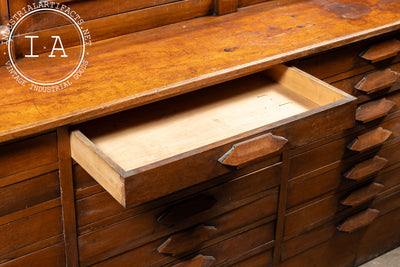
x,y
156,150
348,61
224,252
26,155
236,203
28,193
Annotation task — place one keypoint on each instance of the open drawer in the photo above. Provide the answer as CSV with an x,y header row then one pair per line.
x,y
158,149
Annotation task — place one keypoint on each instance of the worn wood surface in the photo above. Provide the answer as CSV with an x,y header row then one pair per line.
x,y
169,63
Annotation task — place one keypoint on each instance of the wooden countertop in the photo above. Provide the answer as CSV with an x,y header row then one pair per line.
x,y
144,67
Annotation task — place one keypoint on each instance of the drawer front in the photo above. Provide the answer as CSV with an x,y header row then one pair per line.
x,y
224,252
237,192
347,61
237,203
28,193
28,154
50,256
25,232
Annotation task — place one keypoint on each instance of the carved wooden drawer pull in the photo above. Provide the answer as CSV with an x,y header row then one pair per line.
x,y
374,110
363,194
187,241
370,139
359,220
198,261
382,51
366,168
377,81
250,150
186,209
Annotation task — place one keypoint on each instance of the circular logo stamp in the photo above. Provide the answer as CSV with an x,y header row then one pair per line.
x,y
47,46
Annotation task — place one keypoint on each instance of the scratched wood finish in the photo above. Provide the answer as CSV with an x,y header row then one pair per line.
x,y
173,60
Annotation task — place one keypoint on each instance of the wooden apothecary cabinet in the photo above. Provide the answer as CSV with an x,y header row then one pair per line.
x,y
225,140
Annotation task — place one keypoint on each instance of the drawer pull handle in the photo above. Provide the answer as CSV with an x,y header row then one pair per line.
x,y
358,220
377,81
370,139
250,150
187,241
381,51
198,261
363,194
186,209
374,110
366,168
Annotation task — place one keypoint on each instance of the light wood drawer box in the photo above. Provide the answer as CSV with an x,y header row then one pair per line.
x,y
226,251
237,203
32,153
161,148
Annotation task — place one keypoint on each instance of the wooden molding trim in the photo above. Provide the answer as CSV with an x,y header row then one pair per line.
x,y
222,7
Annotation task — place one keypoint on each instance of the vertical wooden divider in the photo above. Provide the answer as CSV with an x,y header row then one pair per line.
x,y
280,221
67,197
222,7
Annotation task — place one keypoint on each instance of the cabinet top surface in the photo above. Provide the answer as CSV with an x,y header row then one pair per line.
x,y
147,66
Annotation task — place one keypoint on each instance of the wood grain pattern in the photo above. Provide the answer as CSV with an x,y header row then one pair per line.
x,y
362,195
369,140
366,168
358,221
67,197
253,149
377,81
187,240
179,64
374,110
222,7
382,51
198,261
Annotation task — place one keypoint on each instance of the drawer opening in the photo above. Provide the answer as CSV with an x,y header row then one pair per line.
x,y
162,142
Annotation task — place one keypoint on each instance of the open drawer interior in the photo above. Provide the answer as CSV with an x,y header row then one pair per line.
x,y
124,151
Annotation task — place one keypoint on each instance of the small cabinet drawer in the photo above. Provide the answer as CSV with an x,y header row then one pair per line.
x,y
152,151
